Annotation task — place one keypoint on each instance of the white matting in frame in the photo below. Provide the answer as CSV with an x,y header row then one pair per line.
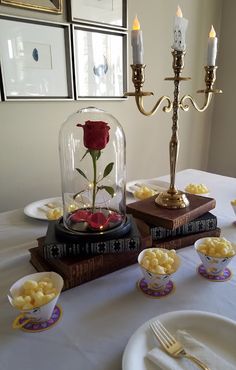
x,y
110,12
100,63
35,60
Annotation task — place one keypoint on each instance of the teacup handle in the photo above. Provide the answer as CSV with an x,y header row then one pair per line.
x,y
16,323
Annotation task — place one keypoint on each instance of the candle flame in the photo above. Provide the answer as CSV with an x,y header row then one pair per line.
x,y
212,32
136,24
179,12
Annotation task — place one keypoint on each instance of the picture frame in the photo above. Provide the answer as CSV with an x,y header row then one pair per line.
x,y
50,6
29,55
106,13
100,63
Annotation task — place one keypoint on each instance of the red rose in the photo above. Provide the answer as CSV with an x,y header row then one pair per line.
x,y
96,134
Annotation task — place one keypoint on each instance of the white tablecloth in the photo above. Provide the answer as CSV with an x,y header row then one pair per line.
x,y
99,317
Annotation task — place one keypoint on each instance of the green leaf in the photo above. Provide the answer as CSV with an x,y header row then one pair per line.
x,y
87,151
82,173
109,189
108,169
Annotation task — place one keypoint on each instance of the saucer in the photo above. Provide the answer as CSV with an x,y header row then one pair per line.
x,y
226,274
34,327
168,289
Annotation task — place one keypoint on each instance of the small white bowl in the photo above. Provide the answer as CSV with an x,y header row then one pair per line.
x,y
157,281
213,265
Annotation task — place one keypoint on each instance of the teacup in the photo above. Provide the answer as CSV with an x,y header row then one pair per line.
x,y
154,280
233,204
37,314
214,265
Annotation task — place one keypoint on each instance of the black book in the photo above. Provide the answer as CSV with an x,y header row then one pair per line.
x,y
55,247
206,222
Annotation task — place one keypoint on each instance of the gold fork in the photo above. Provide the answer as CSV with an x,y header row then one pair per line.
x,y
171,345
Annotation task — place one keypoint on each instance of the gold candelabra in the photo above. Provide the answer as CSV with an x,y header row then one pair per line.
x,y
173,198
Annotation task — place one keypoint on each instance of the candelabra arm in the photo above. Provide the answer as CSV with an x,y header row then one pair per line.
x,y
185,107
138,78
166,109
210,77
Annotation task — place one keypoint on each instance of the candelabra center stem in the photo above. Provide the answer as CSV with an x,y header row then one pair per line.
x,y
178,65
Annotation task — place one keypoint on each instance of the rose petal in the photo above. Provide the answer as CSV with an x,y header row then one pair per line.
x,y
114,217
80,216
97,220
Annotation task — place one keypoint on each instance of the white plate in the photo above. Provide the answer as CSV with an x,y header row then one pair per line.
x,y
215,331
33,209
154,184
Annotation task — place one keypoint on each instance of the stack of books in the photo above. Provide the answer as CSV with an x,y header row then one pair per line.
x,y
81,261
174,229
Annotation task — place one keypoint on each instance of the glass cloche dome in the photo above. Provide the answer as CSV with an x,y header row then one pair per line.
x,y
93,173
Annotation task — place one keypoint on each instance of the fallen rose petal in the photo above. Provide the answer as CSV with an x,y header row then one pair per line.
x,y
97,220
80,216
114,217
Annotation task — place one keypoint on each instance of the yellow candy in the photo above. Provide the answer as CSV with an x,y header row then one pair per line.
x,y
19,301
197,189
34,294
30,284
159,261
233,202
54,214
217,247
49,297
144,192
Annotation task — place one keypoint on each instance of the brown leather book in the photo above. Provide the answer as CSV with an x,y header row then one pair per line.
x,y
148,211
76,271
177,242
185,241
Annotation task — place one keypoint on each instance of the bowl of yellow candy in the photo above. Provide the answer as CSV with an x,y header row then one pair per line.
x,y
200,189
215,254
157,265
35,296
144,192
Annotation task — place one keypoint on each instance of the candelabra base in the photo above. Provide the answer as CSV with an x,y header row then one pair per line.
x,y
172,200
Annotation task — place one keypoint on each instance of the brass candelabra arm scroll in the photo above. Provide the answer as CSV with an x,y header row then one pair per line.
x,y
185,107
210,78
138,78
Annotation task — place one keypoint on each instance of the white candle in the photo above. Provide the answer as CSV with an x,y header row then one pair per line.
x,y
180,27
212,48
137,42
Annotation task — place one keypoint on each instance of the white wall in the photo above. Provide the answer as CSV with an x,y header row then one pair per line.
x,y
29,160
222,154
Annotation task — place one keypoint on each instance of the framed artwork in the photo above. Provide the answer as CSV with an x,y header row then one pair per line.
x,y
109,13
35,60
51,6
100,63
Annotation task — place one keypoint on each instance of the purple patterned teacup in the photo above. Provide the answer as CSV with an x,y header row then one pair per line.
x,y
213,264
157,281
43,312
